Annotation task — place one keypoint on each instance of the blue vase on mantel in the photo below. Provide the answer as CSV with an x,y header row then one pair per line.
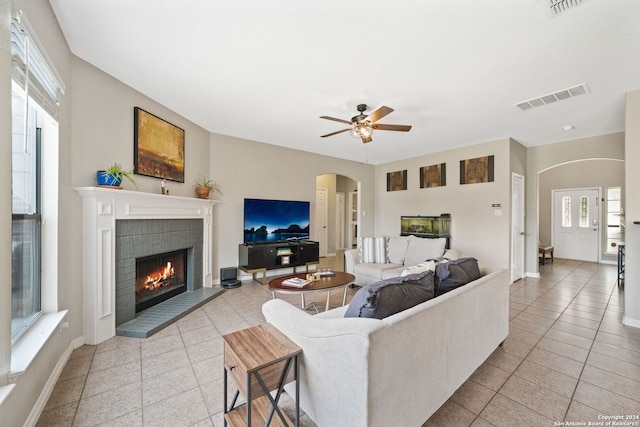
x,y
105,180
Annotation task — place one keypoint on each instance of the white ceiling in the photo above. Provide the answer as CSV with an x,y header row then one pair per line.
x,y
266,70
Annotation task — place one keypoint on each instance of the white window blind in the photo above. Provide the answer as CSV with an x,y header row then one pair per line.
x,y
31,69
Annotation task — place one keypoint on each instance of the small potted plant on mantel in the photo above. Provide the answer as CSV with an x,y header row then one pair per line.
x,y
204,186
112,177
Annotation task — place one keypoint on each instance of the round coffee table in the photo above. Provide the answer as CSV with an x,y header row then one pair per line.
x,y
325,284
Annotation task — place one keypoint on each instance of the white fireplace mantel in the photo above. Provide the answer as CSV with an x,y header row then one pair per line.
x,y
101,208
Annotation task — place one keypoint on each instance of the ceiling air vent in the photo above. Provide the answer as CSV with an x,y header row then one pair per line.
x,y
559,6
553,97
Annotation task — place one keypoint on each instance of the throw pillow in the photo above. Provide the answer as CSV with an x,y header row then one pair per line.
x,y
453,274
373,250
452,254
397,248
422,249
382,299
417,269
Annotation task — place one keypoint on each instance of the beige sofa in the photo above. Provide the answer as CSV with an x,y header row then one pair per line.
x,y
397,371
402,253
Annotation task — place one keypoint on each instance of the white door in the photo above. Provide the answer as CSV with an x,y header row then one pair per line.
x,y
322,210
352,221
576,224
340,220
517,227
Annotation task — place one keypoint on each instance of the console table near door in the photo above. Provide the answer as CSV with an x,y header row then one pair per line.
x,y
260,359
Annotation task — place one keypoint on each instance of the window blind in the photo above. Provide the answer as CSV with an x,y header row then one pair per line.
x,y
31,69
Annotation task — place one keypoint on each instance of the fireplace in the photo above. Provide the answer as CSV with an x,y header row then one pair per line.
x,y
160,277
143,248
121,226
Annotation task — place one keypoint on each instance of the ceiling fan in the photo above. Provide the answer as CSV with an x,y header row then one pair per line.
x,y
363,125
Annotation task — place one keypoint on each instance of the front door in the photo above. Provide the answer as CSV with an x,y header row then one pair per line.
x,y
576,224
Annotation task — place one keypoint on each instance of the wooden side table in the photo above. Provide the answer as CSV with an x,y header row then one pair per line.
x,y
260,359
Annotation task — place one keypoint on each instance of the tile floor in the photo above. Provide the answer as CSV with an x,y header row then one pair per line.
x,y
567,358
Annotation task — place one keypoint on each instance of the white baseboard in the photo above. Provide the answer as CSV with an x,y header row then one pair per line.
x,y
532,275
635,323
36,411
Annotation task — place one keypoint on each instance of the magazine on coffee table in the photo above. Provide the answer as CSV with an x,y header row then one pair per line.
x,y
296,282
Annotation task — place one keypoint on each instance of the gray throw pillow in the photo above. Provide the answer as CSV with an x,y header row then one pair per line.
x,y
456,273
381,299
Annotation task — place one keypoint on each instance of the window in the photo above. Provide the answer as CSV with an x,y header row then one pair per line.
x,y
26,213
566,211
35,92
584,212
615,220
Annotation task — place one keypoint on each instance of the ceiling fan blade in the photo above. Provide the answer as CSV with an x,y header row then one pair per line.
x,y
366,139
335,133
401,128
380,113
335,120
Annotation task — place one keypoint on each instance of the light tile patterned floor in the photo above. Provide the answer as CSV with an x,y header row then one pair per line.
x,y
567,358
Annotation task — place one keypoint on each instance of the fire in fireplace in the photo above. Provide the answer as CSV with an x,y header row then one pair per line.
x,y
160,277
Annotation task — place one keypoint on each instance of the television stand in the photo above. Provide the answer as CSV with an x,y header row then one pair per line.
x,y
259,257
255,271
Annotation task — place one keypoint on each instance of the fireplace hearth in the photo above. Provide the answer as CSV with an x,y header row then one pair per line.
x,y
160,277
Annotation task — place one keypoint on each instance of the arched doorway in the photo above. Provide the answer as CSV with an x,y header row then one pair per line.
x,y
340,213
602,174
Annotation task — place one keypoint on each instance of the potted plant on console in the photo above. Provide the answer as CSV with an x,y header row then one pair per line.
x,y
112,177
204,186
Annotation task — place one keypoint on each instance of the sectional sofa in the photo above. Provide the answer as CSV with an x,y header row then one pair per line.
x,y
385,257
397,371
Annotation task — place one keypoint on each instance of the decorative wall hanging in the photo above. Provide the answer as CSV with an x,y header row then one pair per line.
x,y
397,180
474,171
158,147
433,176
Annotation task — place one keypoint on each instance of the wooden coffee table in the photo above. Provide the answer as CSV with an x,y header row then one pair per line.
x,y
325,284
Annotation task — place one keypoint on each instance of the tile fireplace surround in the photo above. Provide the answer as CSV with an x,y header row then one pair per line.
x,y
103,208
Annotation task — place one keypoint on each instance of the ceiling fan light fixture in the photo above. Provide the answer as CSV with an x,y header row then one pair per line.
x,y
362,125
362,130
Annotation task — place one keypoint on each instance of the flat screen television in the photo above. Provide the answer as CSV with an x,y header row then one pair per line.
x,y
267,221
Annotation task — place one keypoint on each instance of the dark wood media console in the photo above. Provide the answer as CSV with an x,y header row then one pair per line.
x,y
278,255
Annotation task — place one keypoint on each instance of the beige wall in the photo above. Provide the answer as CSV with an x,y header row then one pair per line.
x,y
589,173
255,170
475,229
632,213
103,131
543,157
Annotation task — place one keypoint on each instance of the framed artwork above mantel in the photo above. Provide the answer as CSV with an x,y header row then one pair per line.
x,y
158,147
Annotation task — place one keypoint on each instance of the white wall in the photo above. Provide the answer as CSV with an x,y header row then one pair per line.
x,y
475,229
632,204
